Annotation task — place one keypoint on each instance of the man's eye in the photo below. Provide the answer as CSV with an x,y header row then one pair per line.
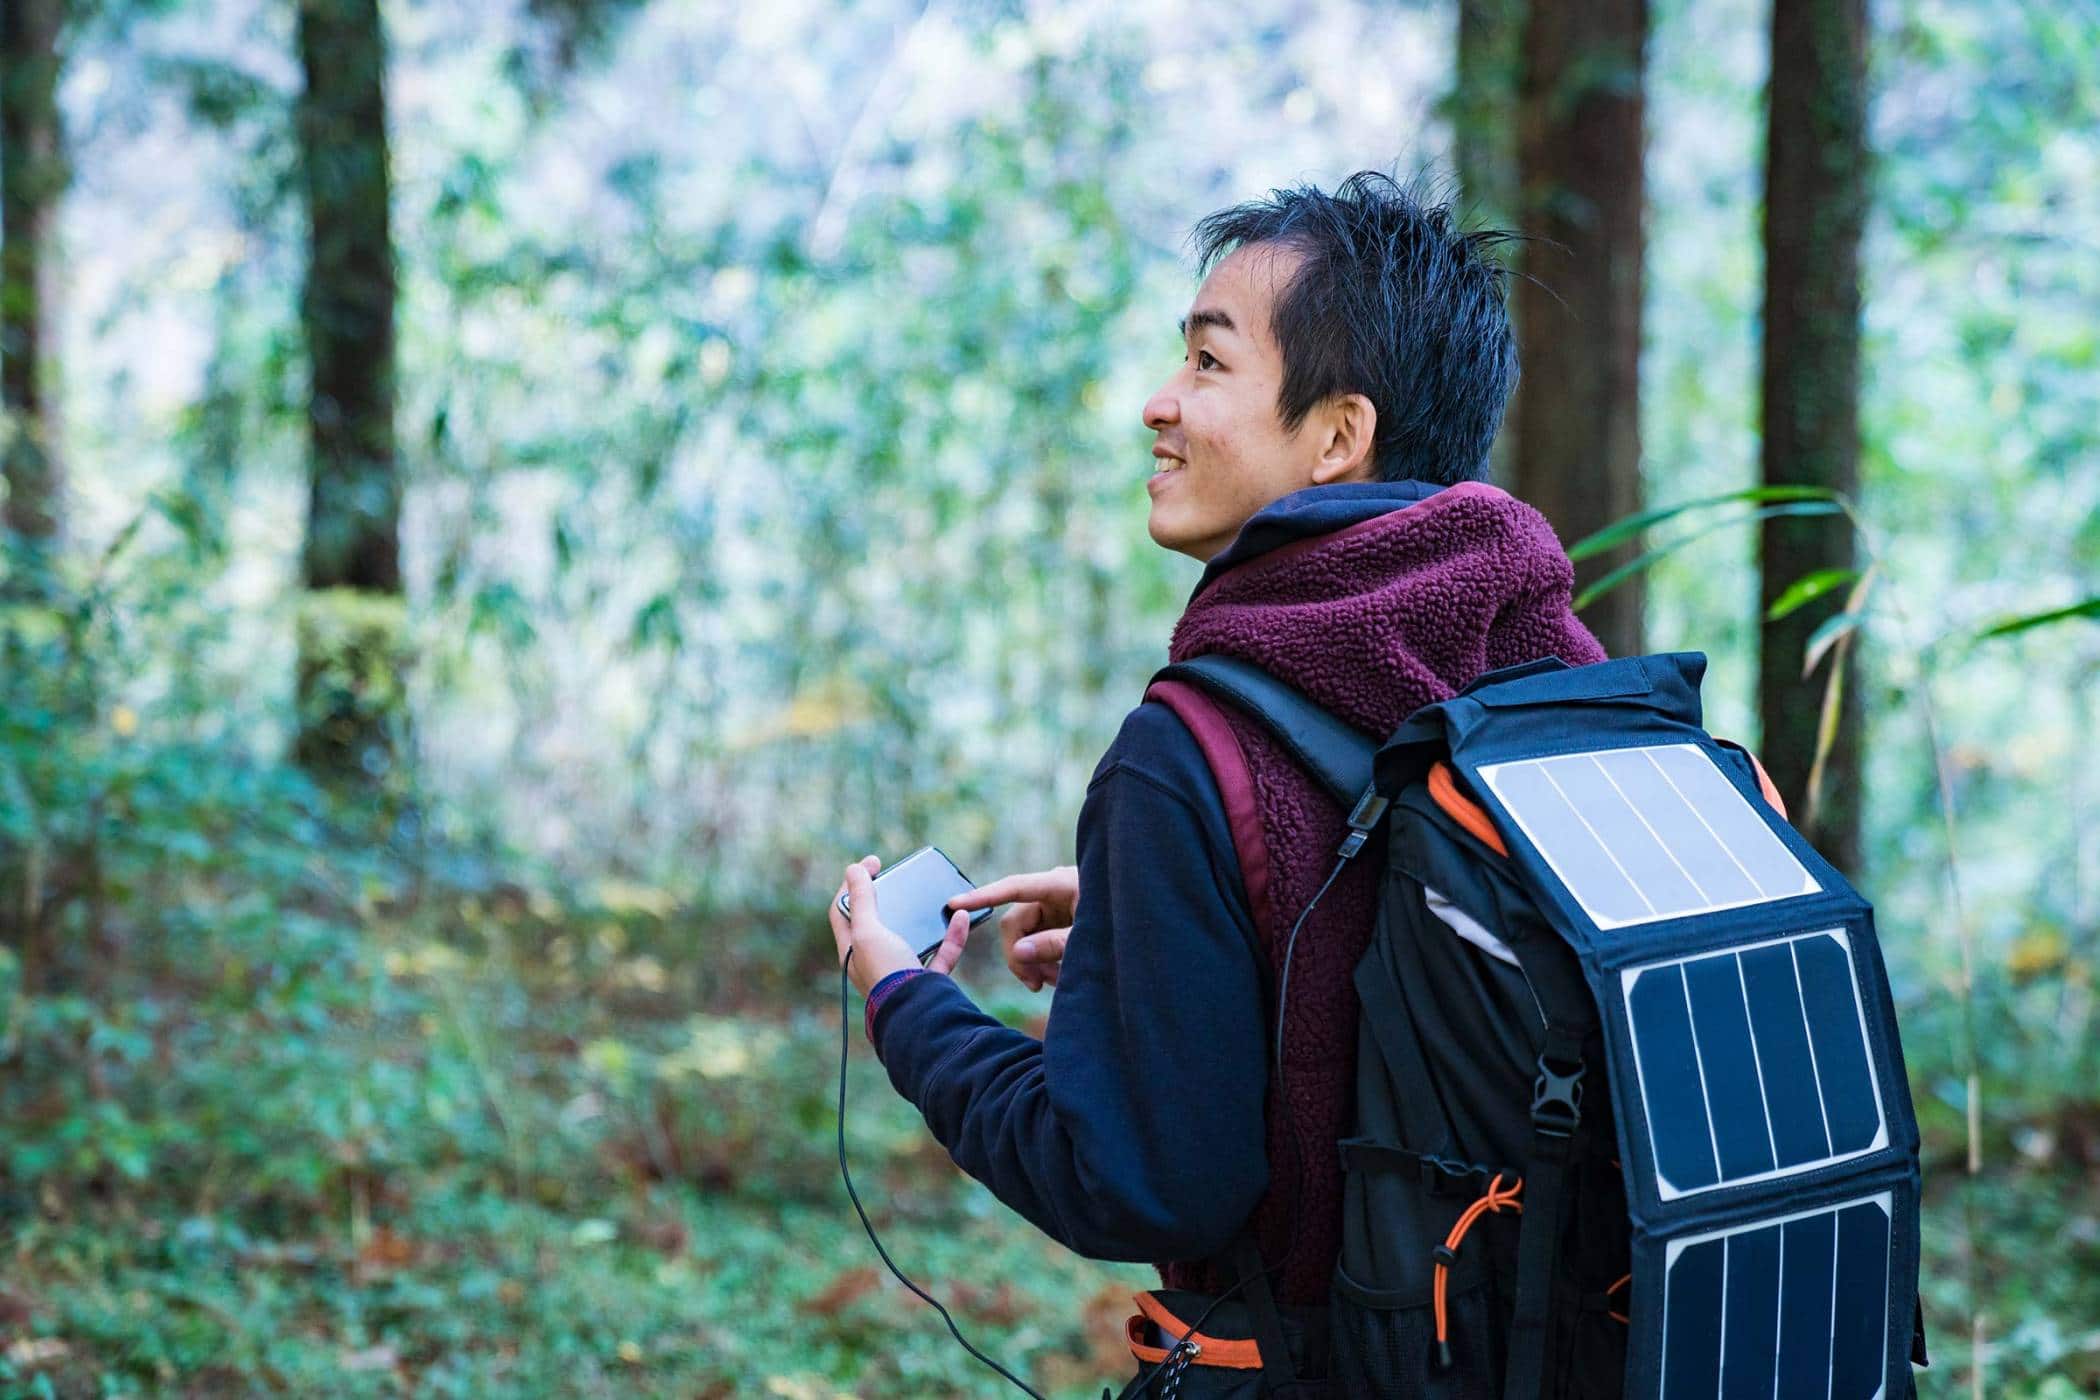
x,y
1201,356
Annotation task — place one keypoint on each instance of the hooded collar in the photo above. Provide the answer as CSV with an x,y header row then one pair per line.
x,y
1377,600
1309,511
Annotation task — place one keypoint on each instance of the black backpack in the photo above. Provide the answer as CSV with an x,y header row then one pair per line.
x,y
1631,1117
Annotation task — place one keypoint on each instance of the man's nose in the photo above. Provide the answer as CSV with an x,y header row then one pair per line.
x,y
1161,409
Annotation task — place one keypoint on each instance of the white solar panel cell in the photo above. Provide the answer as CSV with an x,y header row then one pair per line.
x,y
1578,856
1642,834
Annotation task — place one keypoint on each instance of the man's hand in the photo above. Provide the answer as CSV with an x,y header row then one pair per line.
x,y
1035,929
877,950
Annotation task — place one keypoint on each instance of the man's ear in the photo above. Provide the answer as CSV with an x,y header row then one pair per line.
x,y
1348,424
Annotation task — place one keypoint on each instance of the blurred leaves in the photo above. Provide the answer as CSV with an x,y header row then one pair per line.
x,y
2089,607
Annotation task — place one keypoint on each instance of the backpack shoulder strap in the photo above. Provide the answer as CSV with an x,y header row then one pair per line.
x,y
1335,752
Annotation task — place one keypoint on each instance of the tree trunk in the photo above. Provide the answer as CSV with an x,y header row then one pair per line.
x,y
1815,205
352,554
1579,157
1482,109
32,174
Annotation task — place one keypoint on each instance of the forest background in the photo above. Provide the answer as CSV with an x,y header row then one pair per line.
x,y
503,500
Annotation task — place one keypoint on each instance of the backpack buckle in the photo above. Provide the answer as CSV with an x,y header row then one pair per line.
x,y
1556,1098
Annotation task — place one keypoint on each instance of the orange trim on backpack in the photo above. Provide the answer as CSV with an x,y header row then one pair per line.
x,y
1443,790
1237,1353
1764,779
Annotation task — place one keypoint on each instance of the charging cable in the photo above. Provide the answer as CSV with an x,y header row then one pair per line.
x,y
1297,1159
845,1040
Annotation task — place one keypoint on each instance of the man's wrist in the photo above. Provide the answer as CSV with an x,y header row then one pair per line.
x,y
880,992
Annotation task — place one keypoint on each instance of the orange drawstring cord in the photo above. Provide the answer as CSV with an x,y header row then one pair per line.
x,y
1496,1199
1624,1279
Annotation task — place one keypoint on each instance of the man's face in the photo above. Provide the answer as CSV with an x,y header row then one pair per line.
x,y
1221,448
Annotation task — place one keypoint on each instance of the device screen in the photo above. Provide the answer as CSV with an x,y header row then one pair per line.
x,y
912,895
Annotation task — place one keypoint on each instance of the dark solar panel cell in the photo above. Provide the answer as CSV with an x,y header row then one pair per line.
x,y
1692,1323
1787,1309
1750,1341
1830,1000
1782,1052
1684,1153
1860,1335
1728,1061
1763,1070
1804,1308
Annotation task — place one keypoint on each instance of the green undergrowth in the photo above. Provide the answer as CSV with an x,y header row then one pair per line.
x,y
488,1144
482,1175
298,1107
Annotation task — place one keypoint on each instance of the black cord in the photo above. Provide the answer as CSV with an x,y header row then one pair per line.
x,y
1283,992
845,1040
1290,1136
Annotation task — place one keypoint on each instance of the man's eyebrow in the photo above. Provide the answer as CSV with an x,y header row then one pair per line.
x,y
1207,317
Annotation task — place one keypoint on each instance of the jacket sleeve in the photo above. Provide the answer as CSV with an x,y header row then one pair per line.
x,y
1133,1130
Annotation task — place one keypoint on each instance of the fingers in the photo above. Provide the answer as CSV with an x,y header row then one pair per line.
x,y
841,931
860,895
841,940
1038,959
1019,921
1035,884
870,863
1045,947
952,943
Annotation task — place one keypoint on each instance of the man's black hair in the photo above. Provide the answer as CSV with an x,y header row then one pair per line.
x,y
1391,300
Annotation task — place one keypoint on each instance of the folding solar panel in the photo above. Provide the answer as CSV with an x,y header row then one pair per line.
x,y
1649,833
1765,1129
1787,1308
1753,1062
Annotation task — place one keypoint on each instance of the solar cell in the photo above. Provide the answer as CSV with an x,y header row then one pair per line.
x,y
1649,833
1753,1312
1752,1062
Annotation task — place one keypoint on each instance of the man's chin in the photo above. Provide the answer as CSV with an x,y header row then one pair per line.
x,y
1169,533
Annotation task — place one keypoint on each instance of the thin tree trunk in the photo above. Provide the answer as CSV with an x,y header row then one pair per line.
x,y
32,175
1482,109
1815,205
1483,106
1579,158
354,509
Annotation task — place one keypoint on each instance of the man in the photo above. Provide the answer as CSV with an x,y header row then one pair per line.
x,y
1321,448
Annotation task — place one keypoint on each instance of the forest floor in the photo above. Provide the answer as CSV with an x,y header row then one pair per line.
x,y
514,1160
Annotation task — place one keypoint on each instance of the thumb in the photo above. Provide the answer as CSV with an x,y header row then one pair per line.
x,y
952,943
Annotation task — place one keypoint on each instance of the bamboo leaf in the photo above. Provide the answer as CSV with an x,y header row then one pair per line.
x,y
1621,530
1826,738
2007,627
1627,570
1806,589
1834,629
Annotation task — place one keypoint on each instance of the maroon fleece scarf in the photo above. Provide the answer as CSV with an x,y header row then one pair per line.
x,y
1372,621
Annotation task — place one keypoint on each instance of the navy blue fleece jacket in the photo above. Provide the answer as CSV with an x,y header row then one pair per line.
x,y
1133,1129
